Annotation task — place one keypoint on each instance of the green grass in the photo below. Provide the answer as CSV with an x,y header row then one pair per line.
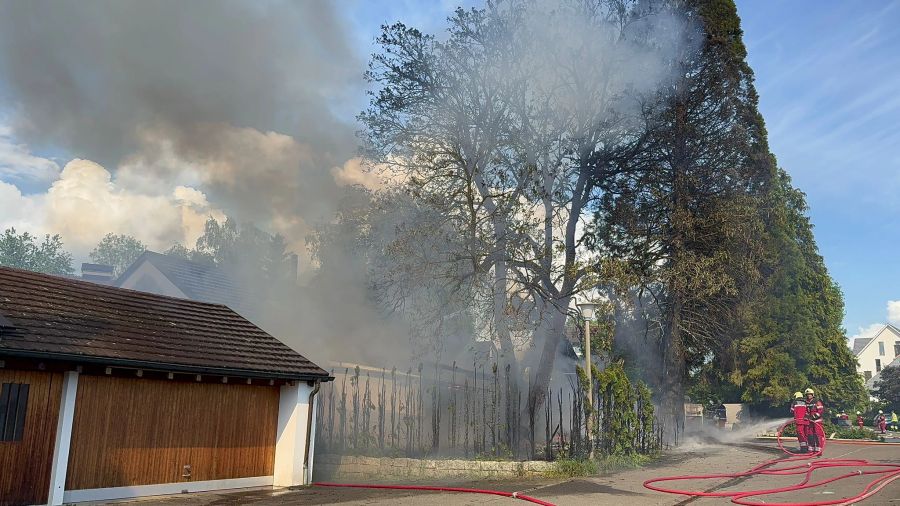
x,y
618,462
570,468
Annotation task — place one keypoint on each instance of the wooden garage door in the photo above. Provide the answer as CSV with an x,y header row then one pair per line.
x,y
29,401
132,431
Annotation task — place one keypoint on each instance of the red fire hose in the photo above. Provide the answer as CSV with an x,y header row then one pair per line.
x,y
514,495
886,473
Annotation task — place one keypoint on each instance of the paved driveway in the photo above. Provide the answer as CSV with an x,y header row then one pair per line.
x,y
620,489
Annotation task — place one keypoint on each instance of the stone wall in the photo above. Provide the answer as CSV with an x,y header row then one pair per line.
x,y
354,469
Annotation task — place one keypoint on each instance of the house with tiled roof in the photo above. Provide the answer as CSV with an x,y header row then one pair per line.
x,y
179,277
875,353
109,393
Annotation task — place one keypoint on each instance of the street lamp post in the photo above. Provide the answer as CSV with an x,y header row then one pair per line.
x,y
587,311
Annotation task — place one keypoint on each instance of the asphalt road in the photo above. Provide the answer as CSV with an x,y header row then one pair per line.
x,y
622,488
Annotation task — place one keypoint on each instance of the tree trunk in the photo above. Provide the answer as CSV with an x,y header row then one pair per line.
x,y
501,319
673,359
672,374
552,338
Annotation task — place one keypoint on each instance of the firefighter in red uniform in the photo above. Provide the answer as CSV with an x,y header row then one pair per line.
x,y
859,420
815,434
881,421
798,408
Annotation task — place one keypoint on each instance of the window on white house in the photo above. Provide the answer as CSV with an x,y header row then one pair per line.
x,y
868,375
897,349
13,405
881,349
877,365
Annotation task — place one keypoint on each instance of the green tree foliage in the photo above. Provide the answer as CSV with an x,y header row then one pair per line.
x,y
794,337
179,250
244,250
684,217
117,250
25,252
887,387
646,419
740,302
755,269
623,410
616,407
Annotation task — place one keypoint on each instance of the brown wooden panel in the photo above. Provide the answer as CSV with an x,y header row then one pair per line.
x,y
131,431
25,465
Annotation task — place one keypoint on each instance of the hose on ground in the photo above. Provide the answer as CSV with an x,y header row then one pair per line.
x,y
794,465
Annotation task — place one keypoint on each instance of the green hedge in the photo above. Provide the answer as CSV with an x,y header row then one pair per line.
x,y
839,432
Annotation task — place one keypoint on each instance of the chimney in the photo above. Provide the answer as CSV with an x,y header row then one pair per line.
x,y
97,273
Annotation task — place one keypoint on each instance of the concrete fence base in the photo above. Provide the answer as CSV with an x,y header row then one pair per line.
x,y
354,469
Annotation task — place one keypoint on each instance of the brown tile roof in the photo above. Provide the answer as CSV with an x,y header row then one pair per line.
x,y
65,318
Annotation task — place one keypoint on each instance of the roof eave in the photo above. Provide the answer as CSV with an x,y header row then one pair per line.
x,y
872,339
130,269
167,367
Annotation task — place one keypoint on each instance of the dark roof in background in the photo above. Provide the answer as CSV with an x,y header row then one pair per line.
x,y
859,343
96,268
65,318
198,281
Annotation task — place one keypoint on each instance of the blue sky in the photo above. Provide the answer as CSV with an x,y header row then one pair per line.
x,y
827,74
828,77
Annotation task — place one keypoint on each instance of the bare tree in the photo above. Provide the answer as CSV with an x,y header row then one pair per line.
x,y
507,133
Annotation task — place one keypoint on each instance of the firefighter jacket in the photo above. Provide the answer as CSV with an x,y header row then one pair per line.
x,y
815,410
798,408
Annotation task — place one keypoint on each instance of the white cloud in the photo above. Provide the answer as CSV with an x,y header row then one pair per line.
x,y
893,316
867,331
893,311
17,210
17,163
356,172
86,202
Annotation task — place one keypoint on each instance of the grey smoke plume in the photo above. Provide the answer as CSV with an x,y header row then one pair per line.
x,y
237,96
239,99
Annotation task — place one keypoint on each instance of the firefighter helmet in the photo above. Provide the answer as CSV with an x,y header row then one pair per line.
x,y
880,412
798,395
809,391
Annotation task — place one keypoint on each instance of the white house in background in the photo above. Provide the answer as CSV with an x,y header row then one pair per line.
x,y
875,353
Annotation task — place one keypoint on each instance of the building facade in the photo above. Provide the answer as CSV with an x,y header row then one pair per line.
x,y
875,353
